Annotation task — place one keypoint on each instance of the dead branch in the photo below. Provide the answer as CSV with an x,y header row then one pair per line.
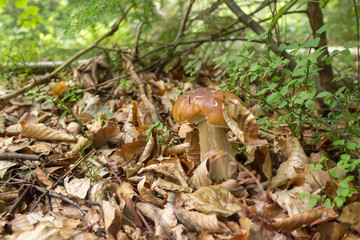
x,y
54,73
316,20
142,96
164,60
19,156
135,49
256,27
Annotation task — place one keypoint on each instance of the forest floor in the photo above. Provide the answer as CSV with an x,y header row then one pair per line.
x,y
88,158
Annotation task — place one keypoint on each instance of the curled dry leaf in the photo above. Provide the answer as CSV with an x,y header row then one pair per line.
x,y
103,190
79,146
200,177
170,186
41,132
112,218
169,167
288,200
259,159
197,221
146,193
5,165
295,164
305,218
164,219
77,187
241,121
42,178
215,200
351,214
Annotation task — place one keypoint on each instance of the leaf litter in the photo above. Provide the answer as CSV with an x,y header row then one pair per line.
x,y
105,171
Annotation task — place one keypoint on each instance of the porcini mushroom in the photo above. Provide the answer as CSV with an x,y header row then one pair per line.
x,y
204,106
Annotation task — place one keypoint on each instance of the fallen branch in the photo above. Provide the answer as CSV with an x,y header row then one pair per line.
x,y
54,73
18,156
258,29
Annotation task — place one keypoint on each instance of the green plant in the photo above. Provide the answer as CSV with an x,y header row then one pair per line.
x,y
163,135
290,95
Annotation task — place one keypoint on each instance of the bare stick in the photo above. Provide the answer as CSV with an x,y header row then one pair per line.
x,y
258,29
135,50
47,78
18,156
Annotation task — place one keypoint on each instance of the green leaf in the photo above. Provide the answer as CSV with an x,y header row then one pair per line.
x,y
351,145
324,94
309,104
303,195
292,45
312,202
324,28
282,47
349,44
21,3
311,43
327,203
340,142
273,97
3,3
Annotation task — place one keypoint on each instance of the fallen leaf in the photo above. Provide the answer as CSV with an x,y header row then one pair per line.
x,y
215,200
305,218
77,187
41,132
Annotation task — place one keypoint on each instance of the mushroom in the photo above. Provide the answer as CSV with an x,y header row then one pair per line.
x,y
204,106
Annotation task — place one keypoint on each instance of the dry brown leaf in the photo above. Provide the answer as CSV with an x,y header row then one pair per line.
x,y
200,177
164,219
259,159
102,191
197,221
215,200
77,187
42,178
296,163
5,165
305,218
235,188
129,212
125,155
79,146
169,167
110,133
170,186
146,193
193,152
332,230
351,214
112,218
42,231
41,132
241,121
288,200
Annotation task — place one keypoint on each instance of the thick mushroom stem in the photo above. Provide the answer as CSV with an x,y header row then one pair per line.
x,y
212,139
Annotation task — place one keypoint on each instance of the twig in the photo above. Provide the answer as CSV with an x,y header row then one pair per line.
x,y
18,201
60,196
54,73
18,156
258,29
163,60
130,67
135,50
358,47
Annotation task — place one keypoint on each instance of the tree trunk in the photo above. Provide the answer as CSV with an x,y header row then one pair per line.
x,y
316,21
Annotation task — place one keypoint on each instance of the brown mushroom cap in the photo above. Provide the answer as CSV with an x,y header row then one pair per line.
x,y
201,104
